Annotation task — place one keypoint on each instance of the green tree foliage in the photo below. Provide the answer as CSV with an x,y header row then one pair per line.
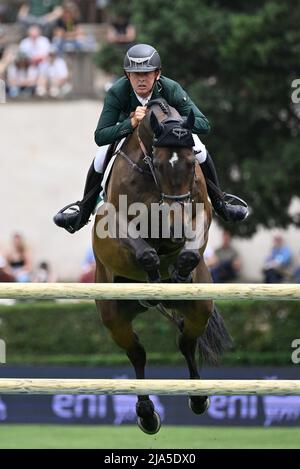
x,y
237,60
72,333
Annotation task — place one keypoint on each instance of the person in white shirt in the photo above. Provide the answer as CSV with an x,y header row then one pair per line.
x,y
54,76
21,76
35,46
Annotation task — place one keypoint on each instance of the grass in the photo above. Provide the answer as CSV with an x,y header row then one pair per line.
x,y
130,437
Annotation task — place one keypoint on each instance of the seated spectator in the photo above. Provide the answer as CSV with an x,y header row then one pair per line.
x,y
89,268
19,259
21,76
210,257
102,12
44,13
296,276
226,264
7,54
54,76
120,37
43,274
5,274
3,39
35,46
6,59
121,33
277,263
68,35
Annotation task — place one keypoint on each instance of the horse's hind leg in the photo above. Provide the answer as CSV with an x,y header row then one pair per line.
x,y
196,315
117,316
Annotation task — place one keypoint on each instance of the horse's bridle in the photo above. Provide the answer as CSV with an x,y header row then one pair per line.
x,y
149,162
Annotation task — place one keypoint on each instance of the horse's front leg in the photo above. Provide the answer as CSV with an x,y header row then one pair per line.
x,y
189,256
145,255
186,262
117,317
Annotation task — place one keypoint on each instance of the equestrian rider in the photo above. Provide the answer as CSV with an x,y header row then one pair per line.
x,y
124,107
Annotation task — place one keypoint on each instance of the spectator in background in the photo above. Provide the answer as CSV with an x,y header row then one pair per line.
x,y
53,76
277,263
19,259
21,76
35,46
8,53
43,274
121,35
296,276
5,274
2,39
68,35
8,56
3,10
44,13
121,32
89,268
210,257
226,264
102,10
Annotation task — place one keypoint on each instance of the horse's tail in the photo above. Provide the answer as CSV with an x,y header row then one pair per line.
x,y
214,341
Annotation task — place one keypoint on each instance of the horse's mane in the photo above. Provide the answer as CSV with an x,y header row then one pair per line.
x,y
162,104
165,110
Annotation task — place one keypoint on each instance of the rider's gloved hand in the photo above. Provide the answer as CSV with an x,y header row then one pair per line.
x,y
138,115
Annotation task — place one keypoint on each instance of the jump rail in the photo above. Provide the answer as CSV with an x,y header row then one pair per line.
x,y
148,291
154,386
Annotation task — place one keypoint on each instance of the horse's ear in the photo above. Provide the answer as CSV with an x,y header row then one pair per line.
x,y
190,120
156,126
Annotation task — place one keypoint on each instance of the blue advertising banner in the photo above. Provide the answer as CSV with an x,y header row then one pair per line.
x,y
90,409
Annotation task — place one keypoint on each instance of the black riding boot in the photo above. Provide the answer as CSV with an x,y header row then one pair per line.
x,y
81,211
221,201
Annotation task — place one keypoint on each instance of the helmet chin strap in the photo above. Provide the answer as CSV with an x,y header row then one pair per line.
x,y
155,80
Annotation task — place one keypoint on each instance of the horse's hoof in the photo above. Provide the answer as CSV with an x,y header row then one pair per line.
x,y
198,405
150,425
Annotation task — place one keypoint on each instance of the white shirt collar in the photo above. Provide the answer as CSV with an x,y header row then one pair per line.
x,y
143,101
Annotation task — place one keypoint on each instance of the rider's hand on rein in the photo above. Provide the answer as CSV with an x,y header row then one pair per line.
x,y
138,115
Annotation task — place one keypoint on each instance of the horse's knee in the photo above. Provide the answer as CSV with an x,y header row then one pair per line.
x,y
148,259
187,261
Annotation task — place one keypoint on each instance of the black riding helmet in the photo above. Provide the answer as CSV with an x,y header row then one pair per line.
x,y
142,58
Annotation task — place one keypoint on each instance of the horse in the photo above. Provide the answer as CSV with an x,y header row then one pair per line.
x,y
156,167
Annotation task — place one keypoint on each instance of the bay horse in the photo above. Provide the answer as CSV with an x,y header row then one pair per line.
x,y
156,165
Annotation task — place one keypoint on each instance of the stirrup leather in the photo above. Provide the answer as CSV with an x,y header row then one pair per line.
x,y
226,198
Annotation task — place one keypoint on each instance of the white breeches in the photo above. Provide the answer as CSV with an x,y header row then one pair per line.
x,y
199,149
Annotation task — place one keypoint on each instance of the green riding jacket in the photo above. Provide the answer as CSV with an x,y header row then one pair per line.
x,y
120,101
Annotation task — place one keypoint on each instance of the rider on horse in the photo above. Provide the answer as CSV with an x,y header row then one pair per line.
x,y
124,108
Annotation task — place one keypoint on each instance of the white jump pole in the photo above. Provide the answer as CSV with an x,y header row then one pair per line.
x,y
148,291
154,386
